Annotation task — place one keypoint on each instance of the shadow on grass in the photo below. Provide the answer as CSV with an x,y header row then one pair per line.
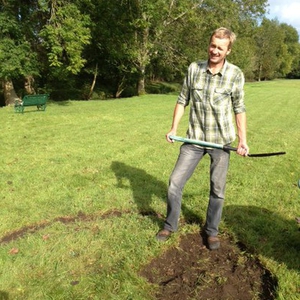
x,y
265,232
60,103
144,186
4,295
30,109
190,217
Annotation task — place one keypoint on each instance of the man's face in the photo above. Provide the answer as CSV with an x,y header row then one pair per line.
x,y
218,50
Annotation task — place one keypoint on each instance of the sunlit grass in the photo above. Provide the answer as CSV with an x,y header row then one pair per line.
x,y
104,166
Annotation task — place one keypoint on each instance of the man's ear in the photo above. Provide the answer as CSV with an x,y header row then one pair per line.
x,y
228,51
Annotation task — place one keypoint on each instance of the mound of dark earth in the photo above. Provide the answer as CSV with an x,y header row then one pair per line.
x,y
191,271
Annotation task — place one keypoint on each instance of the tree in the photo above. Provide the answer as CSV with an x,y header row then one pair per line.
x,y
79,45
244,56
135,38
269,40
16,57
127,34
291,56
65,35
37,37
186,39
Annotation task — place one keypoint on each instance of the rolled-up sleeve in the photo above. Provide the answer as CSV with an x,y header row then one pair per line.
x,y
237,95
184,96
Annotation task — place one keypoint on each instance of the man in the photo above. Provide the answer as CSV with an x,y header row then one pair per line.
x,y
214,89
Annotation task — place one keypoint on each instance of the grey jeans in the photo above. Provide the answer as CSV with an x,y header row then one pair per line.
x,y
188,160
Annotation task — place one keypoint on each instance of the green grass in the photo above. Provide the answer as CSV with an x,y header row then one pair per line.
x,y
67,172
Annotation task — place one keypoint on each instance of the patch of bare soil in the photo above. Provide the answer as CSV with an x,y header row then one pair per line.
x,y
191,271
19,233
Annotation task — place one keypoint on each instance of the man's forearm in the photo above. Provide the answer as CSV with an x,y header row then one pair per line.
x,y
241,124
177,115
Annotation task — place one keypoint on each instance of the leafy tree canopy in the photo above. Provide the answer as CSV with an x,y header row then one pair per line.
x,y
116,47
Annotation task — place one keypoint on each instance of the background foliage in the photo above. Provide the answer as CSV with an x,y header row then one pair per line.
x,y
95,49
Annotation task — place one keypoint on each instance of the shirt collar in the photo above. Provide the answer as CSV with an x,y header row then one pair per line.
x,y
221,72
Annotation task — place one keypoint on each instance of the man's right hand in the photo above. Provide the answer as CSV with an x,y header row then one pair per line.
x,y
168,134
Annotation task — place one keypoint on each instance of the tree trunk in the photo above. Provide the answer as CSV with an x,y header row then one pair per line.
x,y
10,94
141,83
28,85
120,88
259,71
93,83
144,57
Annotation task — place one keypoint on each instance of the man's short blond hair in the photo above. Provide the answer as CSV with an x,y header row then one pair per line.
x,y
222,33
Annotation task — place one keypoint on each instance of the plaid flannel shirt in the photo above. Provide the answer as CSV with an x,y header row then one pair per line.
x,y
213,98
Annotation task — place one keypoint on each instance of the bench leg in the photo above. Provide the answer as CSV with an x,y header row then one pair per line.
x,y
42,107
19,108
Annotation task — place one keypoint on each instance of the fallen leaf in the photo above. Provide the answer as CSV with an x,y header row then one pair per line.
x,y
46,237
14,251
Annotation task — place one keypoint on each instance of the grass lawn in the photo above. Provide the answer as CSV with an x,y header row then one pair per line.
x,y
81,183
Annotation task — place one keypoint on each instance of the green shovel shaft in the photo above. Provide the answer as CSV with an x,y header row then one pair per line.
x,y
218,146
201,143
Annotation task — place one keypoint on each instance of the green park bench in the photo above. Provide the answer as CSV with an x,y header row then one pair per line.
x,y
38,100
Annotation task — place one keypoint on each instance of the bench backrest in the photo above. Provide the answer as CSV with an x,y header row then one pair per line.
x,y
38,99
